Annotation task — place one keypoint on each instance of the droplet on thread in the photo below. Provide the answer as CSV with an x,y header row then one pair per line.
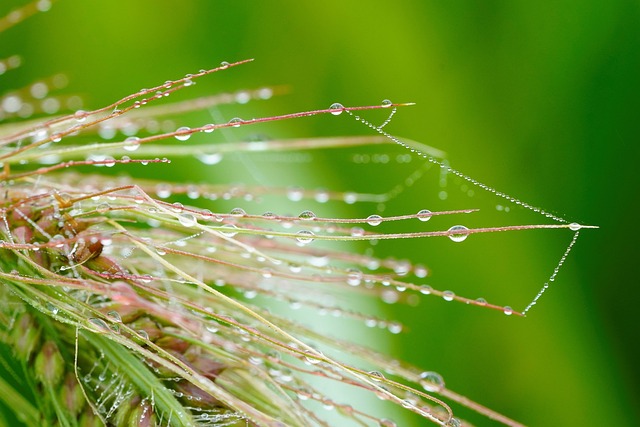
x,y
182,133
424,215
458,233
386,103
337,106
374,220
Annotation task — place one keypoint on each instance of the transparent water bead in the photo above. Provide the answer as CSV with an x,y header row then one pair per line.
x,y
238,212
304,237
424,215
229,230
187,219
458,233
337,106
574,226
182,133
307,215
384,422
376,376
374,220
235,122
507,310
386,103
132,143
431,381
453,422
448,295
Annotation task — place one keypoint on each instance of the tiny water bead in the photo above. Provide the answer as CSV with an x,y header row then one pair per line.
x,y
182,133
229,230
337,106
574,226
458,233
374,220
386,103
424,215
384,422
453,422
208,128
507,310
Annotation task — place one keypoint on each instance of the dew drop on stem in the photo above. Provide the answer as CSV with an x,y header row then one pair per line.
x,y
458,233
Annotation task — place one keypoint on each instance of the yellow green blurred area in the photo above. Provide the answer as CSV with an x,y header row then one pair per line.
x,y
537,99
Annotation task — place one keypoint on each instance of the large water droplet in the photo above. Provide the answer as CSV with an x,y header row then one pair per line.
x,y
507,310
229,230
238,212
574,226
132,143
448,295
386,103
354,277
182,133
210,159
235,122
376,376
187,219
374,220
337,106
458,233
424,215
304,237
431,381
307,215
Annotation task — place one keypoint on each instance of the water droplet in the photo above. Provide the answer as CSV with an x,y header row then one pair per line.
x,y
177,207
354,277
394,327
182,133
80,116
307,215
448,295
224,64
574,226
187,219
132,143
163,190
229,230
304,237
384,422
425,289
115,316
313,356
458,233
56,137
424,215
357,231
376,376
481,301
210,159
507,310
337,106
431,381
453,422
374,220
295,194
235,122
100,324
238,212
208,128
386,103
103,208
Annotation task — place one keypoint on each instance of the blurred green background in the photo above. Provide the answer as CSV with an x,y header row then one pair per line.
x,y
538,99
